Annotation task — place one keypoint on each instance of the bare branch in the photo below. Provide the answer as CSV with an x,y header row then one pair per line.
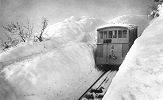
x,y
44,24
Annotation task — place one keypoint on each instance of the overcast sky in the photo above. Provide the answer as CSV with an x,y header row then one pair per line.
x,y
57,10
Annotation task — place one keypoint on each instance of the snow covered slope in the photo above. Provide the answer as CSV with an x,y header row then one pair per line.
x,y
141,21
61,68
73,29
140,77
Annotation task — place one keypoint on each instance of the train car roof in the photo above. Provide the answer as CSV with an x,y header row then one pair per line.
x,y
129,26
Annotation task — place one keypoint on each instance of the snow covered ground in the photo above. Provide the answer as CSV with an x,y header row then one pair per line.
x,y
61,68
140,77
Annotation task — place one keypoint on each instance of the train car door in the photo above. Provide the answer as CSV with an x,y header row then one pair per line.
x,y
115,53
107,48
105,53
108,53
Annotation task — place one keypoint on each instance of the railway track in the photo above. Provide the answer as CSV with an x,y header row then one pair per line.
x,y
98,89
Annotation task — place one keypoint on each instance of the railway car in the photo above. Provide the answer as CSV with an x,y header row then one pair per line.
x,y
113,43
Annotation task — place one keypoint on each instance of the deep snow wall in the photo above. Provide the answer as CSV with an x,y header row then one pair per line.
x,y
73,29
140,76
61,68
61,74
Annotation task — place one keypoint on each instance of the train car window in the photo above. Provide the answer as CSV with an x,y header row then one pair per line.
x,y
101,34
105,34
110,34
124,34
115,34
107,41
119,33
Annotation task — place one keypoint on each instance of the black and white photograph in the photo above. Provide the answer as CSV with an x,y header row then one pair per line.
x,y
81,49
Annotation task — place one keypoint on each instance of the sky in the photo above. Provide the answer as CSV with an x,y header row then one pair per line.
x,y
58,10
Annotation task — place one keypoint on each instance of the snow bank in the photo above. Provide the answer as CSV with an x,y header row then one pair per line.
x,y
61,68
140,77
140,20
72,29
61,74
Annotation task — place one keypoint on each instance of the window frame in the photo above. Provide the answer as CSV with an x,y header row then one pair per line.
x,y
120,31
115,35
105,34
110,34
124,36
101,35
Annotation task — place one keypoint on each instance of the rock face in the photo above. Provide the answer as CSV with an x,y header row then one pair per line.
x,y
140,76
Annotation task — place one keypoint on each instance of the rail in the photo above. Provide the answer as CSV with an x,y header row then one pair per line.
x,y
92,85
98,89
